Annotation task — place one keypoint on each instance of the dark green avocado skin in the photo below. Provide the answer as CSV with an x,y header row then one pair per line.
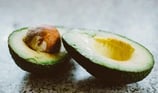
x,y
102,73
40,69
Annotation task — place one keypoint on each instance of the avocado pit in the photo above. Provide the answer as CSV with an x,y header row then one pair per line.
x,y
43,39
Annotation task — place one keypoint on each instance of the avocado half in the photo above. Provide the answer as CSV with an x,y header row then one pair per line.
x,y
35,61
109,57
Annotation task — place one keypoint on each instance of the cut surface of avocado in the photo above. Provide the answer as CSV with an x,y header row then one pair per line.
x,y
107,55
113,48
24,55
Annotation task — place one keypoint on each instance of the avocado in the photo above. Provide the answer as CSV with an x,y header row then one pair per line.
x,y
109,57
34,61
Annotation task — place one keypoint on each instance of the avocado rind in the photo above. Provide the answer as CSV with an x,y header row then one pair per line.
x,y
37,68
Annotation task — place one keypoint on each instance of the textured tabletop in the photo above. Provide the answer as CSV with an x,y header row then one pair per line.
x,y
135,19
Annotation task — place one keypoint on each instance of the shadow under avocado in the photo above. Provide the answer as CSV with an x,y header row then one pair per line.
x,y
93,82
64,81
62,70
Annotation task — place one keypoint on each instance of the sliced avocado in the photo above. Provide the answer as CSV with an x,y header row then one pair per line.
x,y
35,61
109,57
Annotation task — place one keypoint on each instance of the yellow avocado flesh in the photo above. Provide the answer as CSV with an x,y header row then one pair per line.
x,y
113,48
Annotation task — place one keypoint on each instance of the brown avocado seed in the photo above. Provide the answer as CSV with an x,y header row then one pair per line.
x,y
43,39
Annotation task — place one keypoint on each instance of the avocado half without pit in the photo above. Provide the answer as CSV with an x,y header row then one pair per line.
x,y
38,49
109,57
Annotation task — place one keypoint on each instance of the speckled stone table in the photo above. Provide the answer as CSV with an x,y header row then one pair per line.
x,y
136,19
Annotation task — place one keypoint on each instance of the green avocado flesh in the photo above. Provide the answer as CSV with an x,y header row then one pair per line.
x,y
108,56
31,60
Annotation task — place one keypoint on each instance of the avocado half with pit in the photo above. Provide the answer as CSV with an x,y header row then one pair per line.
x,y
109,57
34,61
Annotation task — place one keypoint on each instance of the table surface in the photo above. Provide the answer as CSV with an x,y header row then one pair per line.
x,y
135,19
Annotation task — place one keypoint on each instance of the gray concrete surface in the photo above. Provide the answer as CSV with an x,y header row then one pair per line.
x,y
136,19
